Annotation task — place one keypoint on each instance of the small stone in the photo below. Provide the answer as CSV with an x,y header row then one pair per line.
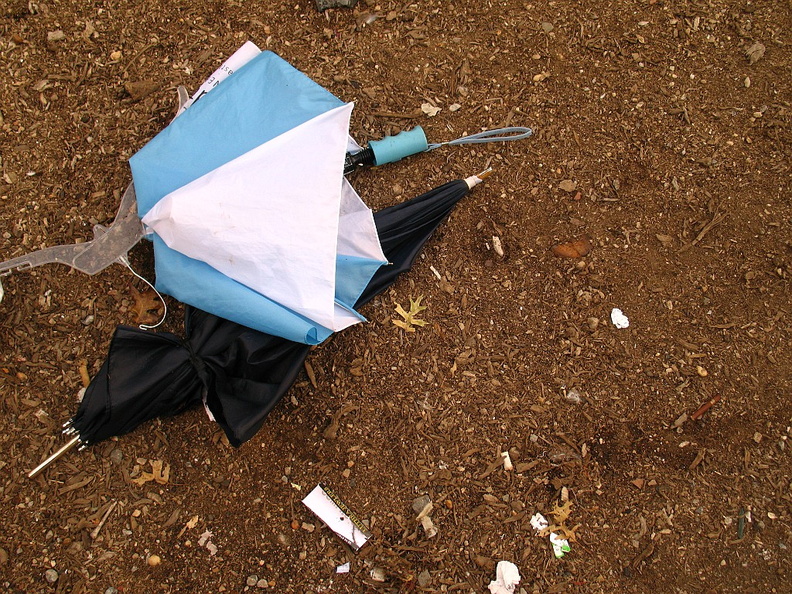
x,y
262,583
284,539
56,35
116,456
573,396
420,503
116,55
111,590
252,580
378,574
701,371
3,556
547,27
51,576
497,246
154,560
424,578
747,82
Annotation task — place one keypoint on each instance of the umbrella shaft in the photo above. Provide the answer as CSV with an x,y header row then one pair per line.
x,y
354,160
69,445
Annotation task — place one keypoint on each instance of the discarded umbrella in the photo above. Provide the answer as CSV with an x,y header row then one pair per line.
x,y
238,373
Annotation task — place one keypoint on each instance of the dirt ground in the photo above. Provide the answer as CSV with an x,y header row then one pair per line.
x,y
662,136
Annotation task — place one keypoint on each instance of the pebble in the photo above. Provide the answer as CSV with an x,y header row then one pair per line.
x,y
424,578
252,580
3,556
51,576
111,590
116,456
573,396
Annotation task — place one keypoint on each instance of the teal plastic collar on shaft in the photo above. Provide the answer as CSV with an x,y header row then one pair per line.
x,y
393,148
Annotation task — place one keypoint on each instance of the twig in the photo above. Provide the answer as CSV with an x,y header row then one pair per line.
x,y
95,531
705,407
718,218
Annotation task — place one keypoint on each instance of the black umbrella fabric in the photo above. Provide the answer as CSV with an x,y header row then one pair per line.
x,y
239,373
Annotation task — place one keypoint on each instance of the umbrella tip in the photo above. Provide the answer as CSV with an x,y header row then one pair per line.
x,y
475,180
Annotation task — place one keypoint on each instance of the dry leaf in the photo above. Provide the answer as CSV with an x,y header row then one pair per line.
x,y
409,316
160,473
573,249
666,240
567,185
140,89
147,306
430,110
561,513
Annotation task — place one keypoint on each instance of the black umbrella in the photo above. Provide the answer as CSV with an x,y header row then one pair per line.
x,y
239,373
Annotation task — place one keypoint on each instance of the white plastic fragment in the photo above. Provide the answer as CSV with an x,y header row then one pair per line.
x,y
343,568
560,545
507,578
619,319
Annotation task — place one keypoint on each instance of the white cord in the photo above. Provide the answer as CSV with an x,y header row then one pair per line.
x,y
126,263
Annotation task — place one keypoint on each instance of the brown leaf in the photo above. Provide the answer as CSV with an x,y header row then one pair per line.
x,y
160,473
567,185
573,249
140,89
147,306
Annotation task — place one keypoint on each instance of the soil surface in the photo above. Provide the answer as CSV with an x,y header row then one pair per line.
x,y
662,143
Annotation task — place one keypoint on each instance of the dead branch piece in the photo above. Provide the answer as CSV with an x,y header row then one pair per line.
x,y
718,218
705,407
95,531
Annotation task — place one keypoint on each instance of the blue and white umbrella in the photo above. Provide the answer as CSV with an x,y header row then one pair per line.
x,y
248,208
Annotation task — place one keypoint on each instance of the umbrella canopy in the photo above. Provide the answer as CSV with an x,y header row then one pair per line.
x,y
239,373
252,218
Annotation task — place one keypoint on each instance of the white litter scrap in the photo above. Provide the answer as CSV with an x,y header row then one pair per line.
x,y
343,568
339,518
619,319
507,578
560,545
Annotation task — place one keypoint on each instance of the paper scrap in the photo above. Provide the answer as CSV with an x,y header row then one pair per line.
x,y
507,578
344,568
619,319
339,518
